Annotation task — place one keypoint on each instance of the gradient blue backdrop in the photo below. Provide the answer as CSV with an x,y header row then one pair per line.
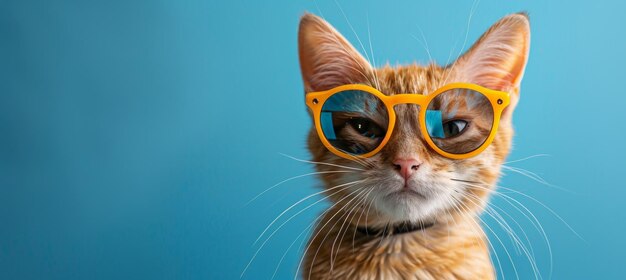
x,y
132,133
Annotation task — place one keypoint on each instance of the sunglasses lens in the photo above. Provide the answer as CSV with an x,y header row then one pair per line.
x,y
354,121
459,120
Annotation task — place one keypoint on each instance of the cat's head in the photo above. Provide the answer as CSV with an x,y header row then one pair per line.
x,y
407,180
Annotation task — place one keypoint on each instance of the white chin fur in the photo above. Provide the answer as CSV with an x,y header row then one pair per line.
x,y
407,207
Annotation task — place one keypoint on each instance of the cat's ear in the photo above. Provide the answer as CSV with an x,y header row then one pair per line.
x,y
327,59
497,60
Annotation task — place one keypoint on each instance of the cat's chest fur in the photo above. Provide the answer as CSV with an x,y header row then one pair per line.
x,y
457,251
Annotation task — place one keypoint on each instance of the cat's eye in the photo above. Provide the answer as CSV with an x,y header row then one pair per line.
x,y
347,121
453,128
447,116
366,127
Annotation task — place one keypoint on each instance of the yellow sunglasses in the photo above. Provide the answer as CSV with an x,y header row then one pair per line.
x,y
460,119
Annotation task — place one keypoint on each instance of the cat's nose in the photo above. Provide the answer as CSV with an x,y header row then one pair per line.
x,y
406,166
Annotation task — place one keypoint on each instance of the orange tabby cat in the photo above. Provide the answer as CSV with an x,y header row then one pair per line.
x,y
408,212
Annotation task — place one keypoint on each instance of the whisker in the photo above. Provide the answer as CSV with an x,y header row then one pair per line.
x,y
469,21
320,230
281,225
424,43
535,177
495,208
304,209
538,202
527,173
291,245
332,259
458,205
293,178
547,208
450,53
303,199
353,31
360,215
515,239
307,229
369,208
534,221
527,158
369,38
322,163
497,238
351,54
362,161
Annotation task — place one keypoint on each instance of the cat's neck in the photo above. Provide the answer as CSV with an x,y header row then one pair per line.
x,y
338,250
394,228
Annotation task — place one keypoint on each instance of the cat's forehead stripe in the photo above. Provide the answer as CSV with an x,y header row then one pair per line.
x,y
409,79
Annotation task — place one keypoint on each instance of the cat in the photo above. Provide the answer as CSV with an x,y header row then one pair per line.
x,y
433,231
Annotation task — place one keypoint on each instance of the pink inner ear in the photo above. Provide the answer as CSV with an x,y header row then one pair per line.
x,y
491,72
335,66
497,60
327,59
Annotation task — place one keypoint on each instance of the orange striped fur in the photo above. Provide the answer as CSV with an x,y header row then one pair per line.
x,y
455,247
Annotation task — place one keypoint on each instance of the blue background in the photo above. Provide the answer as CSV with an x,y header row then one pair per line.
x,y
132,133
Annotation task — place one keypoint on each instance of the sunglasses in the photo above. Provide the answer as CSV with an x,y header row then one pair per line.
x,y
458,121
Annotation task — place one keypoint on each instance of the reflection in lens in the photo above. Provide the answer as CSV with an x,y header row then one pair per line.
x,y
459,120
354,121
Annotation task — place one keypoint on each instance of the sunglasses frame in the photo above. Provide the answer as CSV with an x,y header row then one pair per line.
x,y
498,99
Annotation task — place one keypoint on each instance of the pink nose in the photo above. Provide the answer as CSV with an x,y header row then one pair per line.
x,y
406,166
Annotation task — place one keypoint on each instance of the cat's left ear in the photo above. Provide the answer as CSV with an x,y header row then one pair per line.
x,y
498,59
327,59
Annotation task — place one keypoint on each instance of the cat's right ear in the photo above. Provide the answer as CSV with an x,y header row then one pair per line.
x,y
327,59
